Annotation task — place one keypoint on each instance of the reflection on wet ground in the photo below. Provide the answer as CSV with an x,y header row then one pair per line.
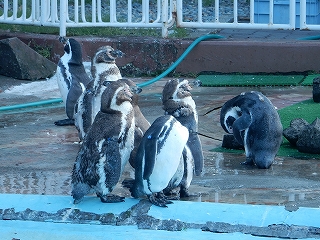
x,y
36,157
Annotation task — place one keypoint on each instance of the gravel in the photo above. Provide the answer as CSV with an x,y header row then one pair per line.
x,y
190,11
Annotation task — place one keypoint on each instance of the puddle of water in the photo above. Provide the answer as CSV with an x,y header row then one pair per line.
x,y
46,183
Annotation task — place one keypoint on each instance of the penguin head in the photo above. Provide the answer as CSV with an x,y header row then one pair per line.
x,y
230,117
72,51
176,89
114,95
134,89
106,54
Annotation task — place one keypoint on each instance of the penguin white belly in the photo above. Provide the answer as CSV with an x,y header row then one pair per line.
x,y
109,71
189,101
62,82
189,167
167,160
128,146
96,101
63,88
96,104
78,116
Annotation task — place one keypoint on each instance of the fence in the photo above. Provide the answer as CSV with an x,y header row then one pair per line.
x,y
162,14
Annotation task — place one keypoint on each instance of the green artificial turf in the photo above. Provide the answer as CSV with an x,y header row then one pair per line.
x,y
250,80
308,80
308,110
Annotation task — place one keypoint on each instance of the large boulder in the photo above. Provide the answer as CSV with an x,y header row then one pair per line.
x,y
304,136
292,133
18,60
309,138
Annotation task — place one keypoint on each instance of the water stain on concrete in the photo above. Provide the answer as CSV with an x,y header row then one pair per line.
x,y
37,157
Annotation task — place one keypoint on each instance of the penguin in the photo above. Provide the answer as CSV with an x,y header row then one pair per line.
x,y
255,124
106,147
158,158
177,101
141,123
103,68
71,77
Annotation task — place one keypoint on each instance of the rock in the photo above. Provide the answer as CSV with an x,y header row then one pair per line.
x,y
18,60
309,138
230,142
292,133
316,89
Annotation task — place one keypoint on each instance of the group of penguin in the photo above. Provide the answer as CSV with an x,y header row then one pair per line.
x,y
165,154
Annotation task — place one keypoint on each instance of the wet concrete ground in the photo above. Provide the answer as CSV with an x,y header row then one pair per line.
x,y
36,157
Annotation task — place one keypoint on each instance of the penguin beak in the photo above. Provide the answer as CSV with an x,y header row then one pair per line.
x,y
185,85
63,40
196,83
117,53
128,92
136,90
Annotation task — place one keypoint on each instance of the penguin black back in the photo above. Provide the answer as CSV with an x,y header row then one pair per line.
x,y
255,124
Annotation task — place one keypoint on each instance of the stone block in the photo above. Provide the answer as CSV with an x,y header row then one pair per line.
x,y
309,138
18,60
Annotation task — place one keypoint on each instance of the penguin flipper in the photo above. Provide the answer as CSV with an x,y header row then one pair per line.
x,y
150,153
241,124
74,93
195,147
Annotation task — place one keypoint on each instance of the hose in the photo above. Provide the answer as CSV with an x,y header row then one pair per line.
x,y
165,73
310,38
31,104
179,60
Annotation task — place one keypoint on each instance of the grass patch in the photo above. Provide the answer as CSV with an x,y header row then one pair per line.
x,y
308,80
250,80
308,110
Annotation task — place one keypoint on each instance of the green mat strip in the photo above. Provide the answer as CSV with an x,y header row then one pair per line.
x,y
254,80
308,80
308,110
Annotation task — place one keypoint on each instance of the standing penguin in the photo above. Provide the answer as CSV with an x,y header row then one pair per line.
x,y
107,146
177,101
255,124
141,123
158,158
103,68
71,77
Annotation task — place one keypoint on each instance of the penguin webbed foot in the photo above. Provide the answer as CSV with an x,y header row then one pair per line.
x,y
159,199
248,162
172,194
110,198
65,122
128,183
184,192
